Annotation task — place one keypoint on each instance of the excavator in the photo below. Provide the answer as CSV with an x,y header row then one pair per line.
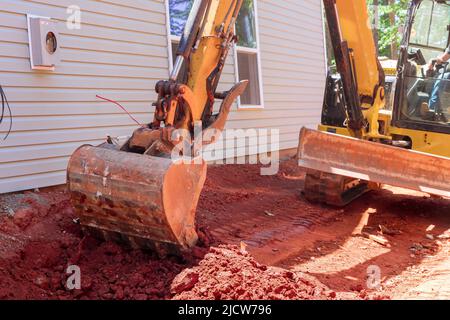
x,y
367,138
145,191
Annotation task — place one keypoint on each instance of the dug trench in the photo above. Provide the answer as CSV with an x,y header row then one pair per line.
x,y
258,240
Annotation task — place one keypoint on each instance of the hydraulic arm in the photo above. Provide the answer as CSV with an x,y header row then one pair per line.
x,y
357,63
137,192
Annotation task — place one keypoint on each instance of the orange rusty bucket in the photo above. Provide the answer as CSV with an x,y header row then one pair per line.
x,y
148,202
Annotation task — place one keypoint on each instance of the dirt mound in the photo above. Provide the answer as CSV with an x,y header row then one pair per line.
x,y
228,272
39,240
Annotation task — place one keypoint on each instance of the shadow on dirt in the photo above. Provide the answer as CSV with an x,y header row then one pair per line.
x,y
411,224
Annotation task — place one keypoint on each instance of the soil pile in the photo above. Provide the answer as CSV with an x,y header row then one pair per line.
x,y
40,240
228,272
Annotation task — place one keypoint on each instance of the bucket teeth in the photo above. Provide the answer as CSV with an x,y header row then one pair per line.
x,y
147,202
160,248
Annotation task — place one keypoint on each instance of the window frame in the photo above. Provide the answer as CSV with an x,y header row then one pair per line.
x,y
257,51
170,37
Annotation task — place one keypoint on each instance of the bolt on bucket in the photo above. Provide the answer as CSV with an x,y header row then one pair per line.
x,y
149,202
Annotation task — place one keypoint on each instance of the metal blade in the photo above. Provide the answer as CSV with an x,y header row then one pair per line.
x,y
374,162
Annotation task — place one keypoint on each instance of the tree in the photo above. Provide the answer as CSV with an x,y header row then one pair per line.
x,y
389,16
376,23
386,16
392,22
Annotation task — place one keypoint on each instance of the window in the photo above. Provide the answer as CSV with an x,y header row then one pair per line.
x,y
176,20
248,69
179,13
426,99
247,53
431,16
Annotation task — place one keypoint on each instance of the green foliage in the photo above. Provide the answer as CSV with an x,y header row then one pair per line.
x,y
391,16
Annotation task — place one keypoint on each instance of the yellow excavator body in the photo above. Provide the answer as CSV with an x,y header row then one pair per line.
x,y
353,20
433,143
361,143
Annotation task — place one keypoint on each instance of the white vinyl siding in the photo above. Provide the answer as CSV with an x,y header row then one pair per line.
x,y
120,53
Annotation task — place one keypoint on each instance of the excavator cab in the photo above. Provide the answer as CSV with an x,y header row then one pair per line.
x,y
362,142
424,93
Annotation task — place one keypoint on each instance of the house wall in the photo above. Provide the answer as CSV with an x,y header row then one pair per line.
x,y
293,70
121,52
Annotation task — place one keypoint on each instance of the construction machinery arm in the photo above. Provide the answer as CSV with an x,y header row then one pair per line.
x,y
203,49
357,61
137,192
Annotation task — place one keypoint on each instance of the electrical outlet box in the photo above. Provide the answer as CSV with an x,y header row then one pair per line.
x,y
43,42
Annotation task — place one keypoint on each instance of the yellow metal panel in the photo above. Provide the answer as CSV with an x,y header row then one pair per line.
x,y
428,142
356,30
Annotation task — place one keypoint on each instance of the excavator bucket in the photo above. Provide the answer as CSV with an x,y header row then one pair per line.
x,y
374,162
148,202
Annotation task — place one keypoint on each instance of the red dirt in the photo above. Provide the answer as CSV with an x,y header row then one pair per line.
x,y
237,207
317,240
42,239
230,273
35,262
